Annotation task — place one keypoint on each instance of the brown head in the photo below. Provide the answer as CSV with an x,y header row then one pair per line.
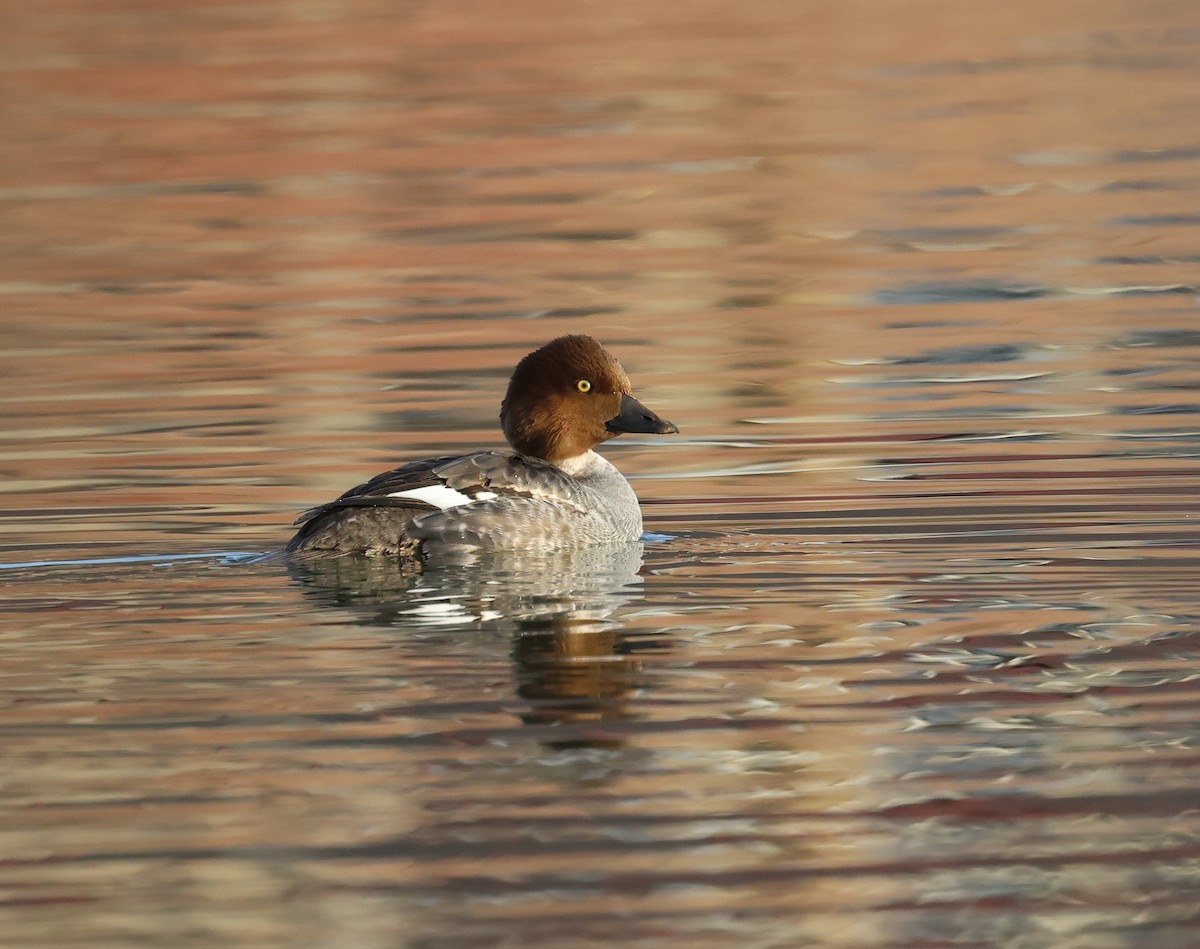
x,y
569,396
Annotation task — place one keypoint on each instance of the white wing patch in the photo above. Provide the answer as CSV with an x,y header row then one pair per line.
x,y
437,495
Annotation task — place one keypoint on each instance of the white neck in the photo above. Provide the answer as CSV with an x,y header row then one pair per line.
x,y
579,465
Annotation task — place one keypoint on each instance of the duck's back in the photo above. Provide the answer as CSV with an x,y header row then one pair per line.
x,y
497,500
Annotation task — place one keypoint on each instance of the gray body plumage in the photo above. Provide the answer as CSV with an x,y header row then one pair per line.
x,y
510,502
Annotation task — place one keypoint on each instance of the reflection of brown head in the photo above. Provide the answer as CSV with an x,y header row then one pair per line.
x,y
574,677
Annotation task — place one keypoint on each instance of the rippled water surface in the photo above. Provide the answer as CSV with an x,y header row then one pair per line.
x,y
912,655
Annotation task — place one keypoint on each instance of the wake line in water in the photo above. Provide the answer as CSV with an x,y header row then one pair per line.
x,y
232,557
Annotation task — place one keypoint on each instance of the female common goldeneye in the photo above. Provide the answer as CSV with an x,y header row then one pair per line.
x,y
551,492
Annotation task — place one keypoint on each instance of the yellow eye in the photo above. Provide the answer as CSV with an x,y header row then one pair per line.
x,y
583,385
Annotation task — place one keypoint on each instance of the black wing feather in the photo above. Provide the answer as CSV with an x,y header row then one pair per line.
x,y
374,493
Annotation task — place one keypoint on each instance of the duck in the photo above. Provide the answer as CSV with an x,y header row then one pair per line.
x,y
551,491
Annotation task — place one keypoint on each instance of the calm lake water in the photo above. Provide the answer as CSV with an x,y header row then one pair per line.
x,y
911,655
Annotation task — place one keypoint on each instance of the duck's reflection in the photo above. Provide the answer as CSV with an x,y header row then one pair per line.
x,y
568,675
573,665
